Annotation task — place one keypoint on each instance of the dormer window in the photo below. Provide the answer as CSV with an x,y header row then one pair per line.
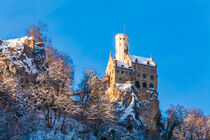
x,y
136,60
147,62
122,65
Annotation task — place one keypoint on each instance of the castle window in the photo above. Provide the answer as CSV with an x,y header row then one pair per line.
x,y
147,62
153,70
136,60
138,75
144,85
120,79
122,72
151,85
126,72
144,75
152,77
137,84
133,73
122,65
118,71
139,68
130,73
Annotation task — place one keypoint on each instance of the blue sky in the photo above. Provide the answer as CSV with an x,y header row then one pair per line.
x,y
175,32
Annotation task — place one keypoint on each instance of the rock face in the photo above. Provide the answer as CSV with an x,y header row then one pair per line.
x,y
21,57
138,110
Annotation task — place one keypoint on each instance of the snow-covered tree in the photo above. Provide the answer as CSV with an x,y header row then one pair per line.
x,y
98,112
53,88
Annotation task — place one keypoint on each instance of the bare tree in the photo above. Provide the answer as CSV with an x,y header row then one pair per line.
x,y
38,32
175,116
195,125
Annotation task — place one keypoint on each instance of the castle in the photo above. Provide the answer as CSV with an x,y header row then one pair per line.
x,y
125,67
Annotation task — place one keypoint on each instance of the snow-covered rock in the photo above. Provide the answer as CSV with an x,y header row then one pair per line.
x,y
138,111
21,56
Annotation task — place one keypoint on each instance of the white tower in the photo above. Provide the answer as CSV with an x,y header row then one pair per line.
x,y
121,45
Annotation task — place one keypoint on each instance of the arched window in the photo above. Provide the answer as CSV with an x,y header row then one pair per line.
x,y
137,84
151,85
144,85
144,75
152,77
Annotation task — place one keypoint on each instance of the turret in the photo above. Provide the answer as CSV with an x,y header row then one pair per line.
x,y
121,45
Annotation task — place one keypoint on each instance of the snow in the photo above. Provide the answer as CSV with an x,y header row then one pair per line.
x,y
13,50
75,98
142,60
124,86
150,92
129,111
122,64
145,102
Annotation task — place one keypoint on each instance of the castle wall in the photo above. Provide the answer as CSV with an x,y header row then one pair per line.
x,y
139,73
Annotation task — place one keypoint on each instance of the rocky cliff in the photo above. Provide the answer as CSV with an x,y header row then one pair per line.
x,y
21,57
137,110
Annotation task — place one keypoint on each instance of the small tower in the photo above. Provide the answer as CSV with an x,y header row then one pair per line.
x,y
121,45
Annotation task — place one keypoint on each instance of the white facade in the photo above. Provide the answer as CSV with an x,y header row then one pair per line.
x,y
121,45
